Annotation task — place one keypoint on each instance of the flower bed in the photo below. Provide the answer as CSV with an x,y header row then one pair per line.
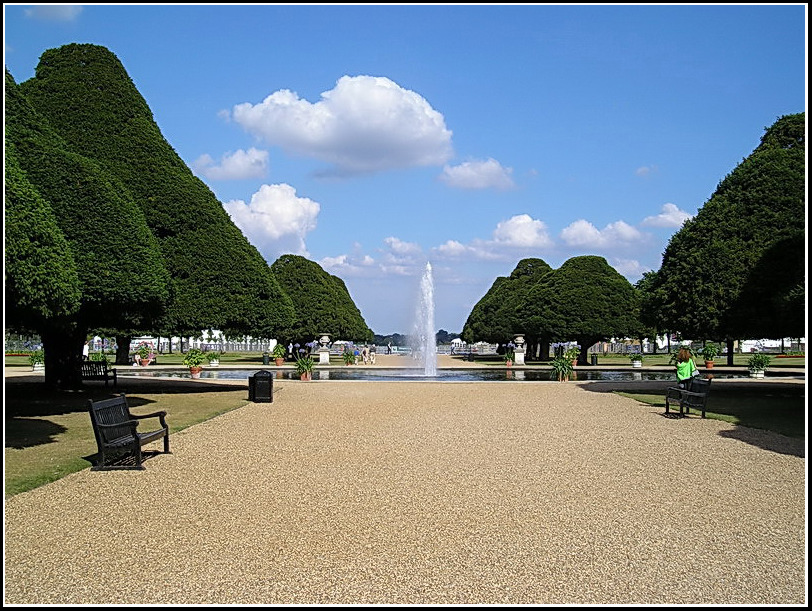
x,y
790,356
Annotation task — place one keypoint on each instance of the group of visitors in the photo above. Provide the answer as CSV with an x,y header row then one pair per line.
x,y
366,355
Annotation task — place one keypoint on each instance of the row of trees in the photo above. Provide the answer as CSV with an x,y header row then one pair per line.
x,y
736,270
108,230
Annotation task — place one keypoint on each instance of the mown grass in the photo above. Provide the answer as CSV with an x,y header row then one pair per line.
x,y
780,408
48,434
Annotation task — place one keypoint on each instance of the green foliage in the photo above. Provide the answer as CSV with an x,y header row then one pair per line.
x,y
590,301
119,268
37,357
41,279
562,368
510,356
304,364
322,302
510,306
759,361
637,356
349,357
87,95
279,351
709,351
194,357
736,269
213,355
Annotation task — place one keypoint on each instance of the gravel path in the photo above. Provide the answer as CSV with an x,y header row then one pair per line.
x,y
420,493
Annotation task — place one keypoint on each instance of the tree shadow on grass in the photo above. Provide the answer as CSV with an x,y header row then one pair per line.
x,y
23,433
770,415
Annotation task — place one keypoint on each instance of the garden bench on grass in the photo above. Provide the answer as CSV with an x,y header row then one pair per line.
x,y
97,370
693,396
116,435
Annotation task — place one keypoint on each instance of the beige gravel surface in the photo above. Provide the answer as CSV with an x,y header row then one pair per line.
x,y
424,493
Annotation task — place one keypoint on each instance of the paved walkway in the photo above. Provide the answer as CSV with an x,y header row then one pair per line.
x,y
425,493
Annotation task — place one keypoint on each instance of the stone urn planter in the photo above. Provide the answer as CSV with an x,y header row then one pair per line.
x,y
195,371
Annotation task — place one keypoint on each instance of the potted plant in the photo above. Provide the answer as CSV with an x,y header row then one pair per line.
x,y
304,367
572,353
278,354
708,353
349,357
37,360
509,357
562,368
636,358
144,354
193,360
213,357
757,363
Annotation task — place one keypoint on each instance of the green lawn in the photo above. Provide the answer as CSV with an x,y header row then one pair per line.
x,y
780,408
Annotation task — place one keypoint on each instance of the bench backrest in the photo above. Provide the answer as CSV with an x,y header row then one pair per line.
x,y
94,368
110,411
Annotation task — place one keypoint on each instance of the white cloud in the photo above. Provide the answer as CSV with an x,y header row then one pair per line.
x,y
629,268
518,235
671,216
478,175
239,165
276,221
522,231
583,234
646,170
54,12
365,124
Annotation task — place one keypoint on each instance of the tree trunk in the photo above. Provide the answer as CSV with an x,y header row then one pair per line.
x,y
63,357
123,349
729,343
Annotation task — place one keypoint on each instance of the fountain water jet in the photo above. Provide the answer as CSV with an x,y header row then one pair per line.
x,y
424,335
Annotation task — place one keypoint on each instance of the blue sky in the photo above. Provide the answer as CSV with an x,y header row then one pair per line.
x,y
372,139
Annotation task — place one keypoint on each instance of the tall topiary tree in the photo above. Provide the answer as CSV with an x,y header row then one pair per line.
x,y
512,306
219,280
737,268
120,271
591,302
322,302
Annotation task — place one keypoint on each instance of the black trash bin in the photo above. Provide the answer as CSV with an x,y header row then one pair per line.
x,y
266,358
593,360
260,387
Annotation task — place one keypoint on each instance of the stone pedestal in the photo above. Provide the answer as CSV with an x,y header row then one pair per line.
x,y
518,352
324,355
518,355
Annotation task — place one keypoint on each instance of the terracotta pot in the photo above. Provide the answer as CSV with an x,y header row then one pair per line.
x,y
279,361
195,371
508,363
708,364
306,377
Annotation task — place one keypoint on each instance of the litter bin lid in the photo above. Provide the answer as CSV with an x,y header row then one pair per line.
x,y
262,374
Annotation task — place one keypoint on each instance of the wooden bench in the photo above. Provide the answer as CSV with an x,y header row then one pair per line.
x,y
693,396
116,436
97,370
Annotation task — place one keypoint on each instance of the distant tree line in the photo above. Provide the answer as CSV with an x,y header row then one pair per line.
x,y
108,231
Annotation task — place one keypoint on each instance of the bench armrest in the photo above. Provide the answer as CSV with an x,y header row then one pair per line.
x,y
160,414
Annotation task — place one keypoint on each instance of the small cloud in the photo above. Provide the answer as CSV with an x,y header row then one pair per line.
x,y
239,165
364,124
276,221
583,234
478,175
646,170
54,12
671,216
